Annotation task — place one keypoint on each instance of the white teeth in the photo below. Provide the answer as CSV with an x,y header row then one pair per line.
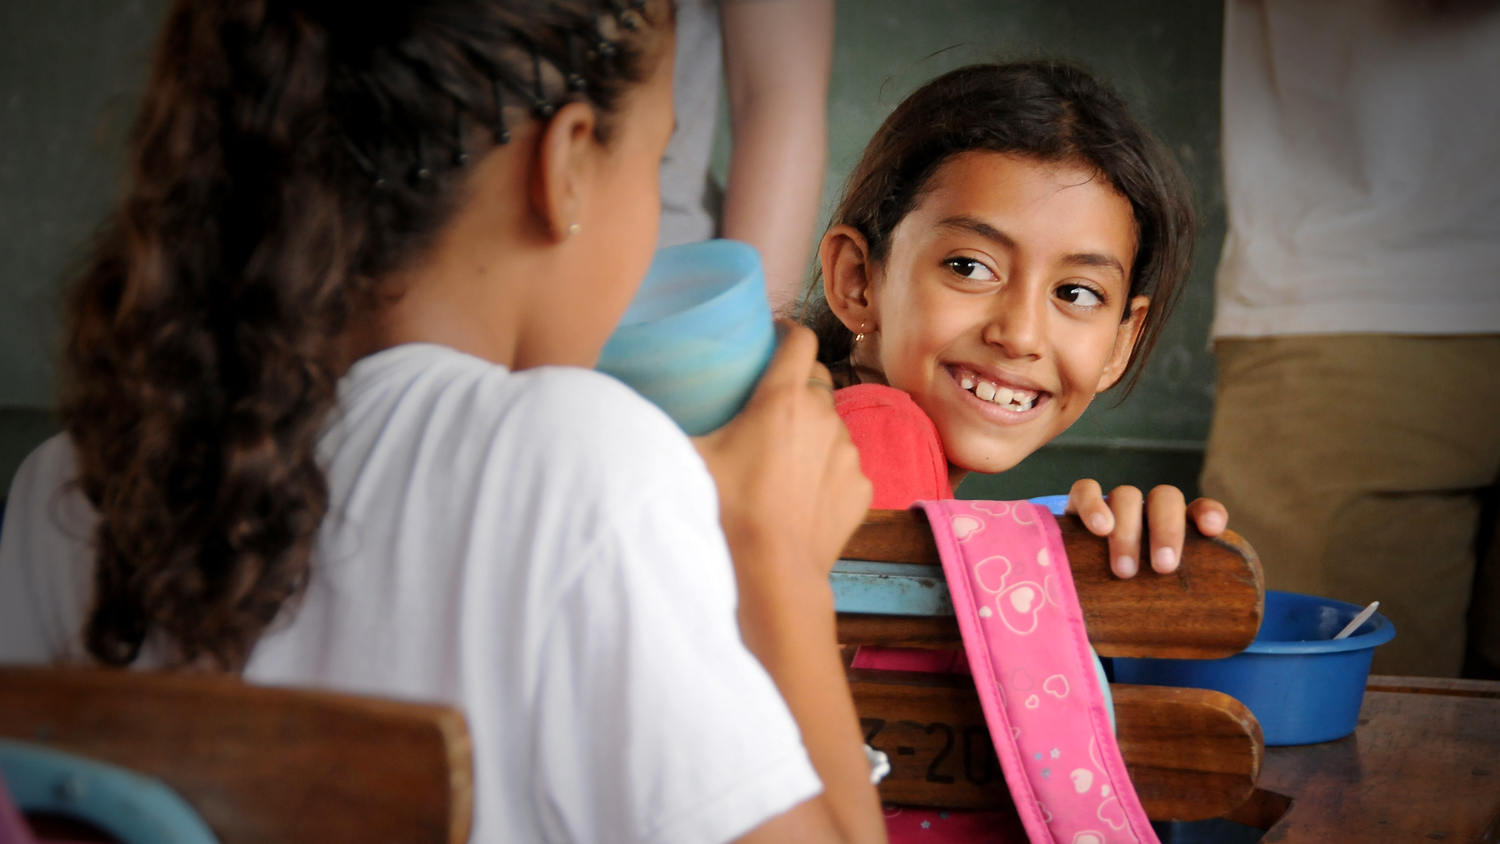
x,y
1017,400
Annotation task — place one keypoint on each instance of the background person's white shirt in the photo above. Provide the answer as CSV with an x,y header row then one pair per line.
x,y
539,548
1362,168
689,203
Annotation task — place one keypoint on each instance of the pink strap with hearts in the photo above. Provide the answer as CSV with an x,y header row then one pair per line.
x,y
1023,630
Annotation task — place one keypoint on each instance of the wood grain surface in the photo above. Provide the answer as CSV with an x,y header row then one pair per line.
x,y
1420,767
260,764
1191,753
1210,607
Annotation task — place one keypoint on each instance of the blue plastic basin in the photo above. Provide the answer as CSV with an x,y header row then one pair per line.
x,y
698,334
1303,686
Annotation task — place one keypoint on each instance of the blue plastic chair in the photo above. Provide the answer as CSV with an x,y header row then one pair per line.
x,y
133,808
256,764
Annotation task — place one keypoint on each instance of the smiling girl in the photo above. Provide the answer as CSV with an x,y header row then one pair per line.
x,y
1008,247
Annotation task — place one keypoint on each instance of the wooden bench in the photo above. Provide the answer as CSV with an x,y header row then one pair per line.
x,y
1191,753
260,764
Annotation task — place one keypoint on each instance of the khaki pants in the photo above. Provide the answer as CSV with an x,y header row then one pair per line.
x,y
1357,466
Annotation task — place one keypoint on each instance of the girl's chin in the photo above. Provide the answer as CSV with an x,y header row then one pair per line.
x,y
983,455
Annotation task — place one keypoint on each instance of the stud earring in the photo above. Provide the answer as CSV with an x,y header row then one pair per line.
x,y
861,335
574,228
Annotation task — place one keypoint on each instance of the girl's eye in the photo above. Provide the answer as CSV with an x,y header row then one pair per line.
x,y
970,269
1079,295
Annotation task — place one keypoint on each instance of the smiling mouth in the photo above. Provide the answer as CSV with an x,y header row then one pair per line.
x,y
1016,399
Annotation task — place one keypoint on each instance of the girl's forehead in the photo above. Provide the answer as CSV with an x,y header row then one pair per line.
x,y
1004,181
1024,202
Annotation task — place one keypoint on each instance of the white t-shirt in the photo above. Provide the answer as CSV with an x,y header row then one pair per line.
x,y
539,548
1361,168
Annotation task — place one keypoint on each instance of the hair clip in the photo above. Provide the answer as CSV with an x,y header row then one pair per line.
x,y
576,81
539,103
419,170
602,47
460,154
364,163
502,132
623,13
537,97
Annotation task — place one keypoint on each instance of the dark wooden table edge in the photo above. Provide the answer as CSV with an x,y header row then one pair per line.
x,y
1265,809
1433,686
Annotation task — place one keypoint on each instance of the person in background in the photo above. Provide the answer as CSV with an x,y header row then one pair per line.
x,y
775,56
1357,424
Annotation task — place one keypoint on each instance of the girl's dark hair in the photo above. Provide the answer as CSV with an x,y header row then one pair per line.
x,y
1048,110
288,157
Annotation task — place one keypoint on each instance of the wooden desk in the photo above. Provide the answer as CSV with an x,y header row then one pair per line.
x,y
1423,765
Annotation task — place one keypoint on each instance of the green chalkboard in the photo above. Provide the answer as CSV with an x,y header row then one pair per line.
x,y
70,76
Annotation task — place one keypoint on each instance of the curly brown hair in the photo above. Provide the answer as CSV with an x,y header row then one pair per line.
x,y
289,156
1049,110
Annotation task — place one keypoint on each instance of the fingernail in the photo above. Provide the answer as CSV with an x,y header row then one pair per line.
x,y
1098,523
1164,560
1213,521
1125,566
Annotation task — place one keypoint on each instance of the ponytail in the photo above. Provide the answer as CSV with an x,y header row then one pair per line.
x,y
289,157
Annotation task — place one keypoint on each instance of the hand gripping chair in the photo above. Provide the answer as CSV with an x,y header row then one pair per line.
x,y
1191,753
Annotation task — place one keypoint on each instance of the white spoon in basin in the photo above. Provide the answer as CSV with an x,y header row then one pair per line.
x,y
1364,615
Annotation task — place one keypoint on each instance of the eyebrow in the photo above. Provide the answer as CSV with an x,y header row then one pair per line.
x,y
965,223
1094,259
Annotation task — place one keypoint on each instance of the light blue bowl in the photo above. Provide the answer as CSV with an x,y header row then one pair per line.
x,y
698,335
1302,684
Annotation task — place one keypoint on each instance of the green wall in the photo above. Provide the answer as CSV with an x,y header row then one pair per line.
x,y
70,75
70,71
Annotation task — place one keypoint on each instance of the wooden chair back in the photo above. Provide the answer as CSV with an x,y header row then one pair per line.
x,y
1192,753
260,764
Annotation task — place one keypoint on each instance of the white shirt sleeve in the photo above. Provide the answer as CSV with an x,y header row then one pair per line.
x,y
46,560
655,723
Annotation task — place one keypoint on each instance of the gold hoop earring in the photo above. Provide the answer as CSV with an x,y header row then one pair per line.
x,y
861,335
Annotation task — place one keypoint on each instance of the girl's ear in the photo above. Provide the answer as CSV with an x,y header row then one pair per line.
x,y
1125,338
847,277
566,158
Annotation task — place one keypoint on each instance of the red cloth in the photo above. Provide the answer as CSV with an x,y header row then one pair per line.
x,y
902,455
899,448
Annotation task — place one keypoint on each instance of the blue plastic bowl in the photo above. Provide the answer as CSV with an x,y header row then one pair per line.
x,y
698,334
1303,686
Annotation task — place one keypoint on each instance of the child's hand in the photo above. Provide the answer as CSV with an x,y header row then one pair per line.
x,y
1119,518
790,487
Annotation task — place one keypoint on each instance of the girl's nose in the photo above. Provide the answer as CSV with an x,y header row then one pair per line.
x,y
1018,325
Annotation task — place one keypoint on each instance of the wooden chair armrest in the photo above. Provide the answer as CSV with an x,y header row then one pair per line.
x,y
1210,607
